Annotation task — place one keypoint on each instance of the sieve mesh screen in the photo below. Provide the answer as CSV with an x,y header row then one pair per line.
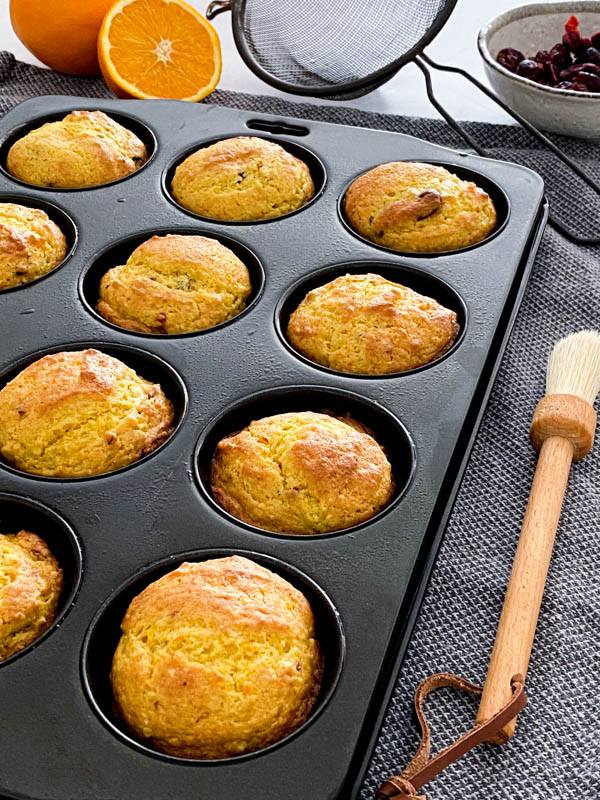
x,y
327,42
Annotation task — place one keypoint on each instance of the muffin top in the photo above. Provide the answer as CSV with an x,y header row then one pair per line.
x,y
301,472
31,583
369,325
80,413
175,284
86,148
30,244
216,659
242,179
418,207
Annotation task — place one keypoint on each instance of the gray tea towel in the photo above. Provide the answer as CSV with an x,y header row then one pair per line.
x,y
556,752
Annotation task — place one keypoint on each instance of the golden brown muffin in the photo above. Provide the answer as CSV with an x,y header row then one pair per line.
x,y
80,413
216,659
175,284
86,148
369,325
301,472
30,244
418,207
31,583
242,179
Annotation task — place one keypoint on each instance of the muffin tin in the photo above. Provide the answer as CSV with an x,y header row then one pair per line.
x,y
59,736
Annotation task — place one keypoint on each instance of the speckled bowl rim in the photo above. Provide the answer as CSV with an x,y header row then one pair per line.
x,y
537,9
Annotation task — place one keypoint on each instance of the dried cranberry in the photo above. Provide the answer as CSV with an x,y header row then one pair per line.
x,y
530,69
572,37
590,80
510,58
569,73
551,73
592,54
560,56
571,64
571,40
589,67
572,24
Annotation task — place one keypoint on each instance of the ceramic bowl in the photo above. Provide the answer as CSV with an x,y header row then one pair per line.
x,y
530,28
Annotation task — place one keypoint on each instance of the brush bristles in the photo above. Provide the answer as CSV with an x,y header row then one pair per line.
x,y
574,366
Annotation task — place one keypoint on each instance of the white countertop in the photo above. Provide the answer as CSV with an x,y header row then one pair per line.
x,y
404,94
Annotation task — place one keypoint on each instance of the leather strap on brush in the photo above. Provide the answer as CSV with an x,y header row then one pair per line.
x,y
422,768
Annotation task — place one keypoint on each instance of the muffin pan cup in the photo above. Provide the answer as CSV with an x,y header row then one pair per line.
x,y
56,215
53,743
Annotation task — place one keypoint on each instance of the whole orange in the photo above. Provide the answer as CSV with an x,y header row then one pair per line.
x,y
61,33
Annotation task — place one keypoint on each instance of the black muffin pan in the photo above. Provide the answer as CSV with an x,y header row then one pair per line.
x,y
59,736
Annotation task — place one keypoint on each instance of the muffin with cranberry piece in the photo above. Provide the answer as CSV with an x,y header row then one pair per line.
x,y
411,206
242,179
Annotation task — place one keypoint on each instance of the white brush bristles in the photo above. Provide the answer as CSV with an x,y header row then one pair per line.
x,y
574,366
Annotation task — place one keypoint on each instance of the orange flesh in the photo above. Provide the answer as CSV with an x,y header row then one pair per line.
x,y
162,49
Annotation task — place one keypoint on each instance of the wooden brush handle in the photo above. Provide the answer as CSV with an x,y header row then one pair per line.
x,y
563,430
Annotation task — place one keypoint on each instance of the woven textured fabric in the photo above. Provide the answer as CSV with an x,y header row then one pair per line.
x,y
556,752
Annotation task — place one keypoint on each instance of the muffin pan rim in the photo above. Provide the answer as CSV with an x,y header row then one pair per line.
x,y
22,130
327,391
277,565
337,270
227,241
43,205
429,253
169,170
15,368
79,564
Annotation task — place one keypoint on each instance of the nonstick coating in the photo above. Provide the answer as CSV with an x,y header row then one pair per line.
x,y
55,738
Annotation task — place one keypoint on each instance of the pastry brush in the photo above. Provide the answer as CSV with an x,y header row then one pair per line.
x,y
562,432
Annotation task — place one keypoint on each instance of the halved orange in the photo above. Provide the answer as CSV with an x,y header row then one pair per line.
x,y
158,48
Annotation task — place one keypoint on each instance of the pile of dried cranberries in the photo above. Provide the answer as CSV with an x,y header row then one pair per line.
x,y
572,64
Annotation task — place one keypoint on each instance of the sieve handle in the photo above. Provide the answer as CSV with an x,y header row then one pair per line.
x,y
423,61
217,7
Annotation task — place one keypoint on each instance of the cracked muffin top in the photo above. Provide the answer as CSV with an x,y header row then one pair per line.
x,y
418,207
366,324
30,244
242,179
301,472
175,284
86,148
31,583
79,413
216,659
